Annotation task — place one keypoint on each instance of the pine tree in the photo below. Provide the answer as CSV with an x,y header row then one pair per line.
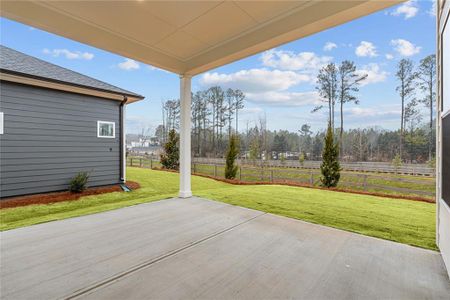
x,y
170,157
232,153
330,167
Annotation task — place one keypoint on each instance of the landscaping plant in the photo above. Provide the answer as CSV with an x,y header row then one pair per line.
x,y
397,162
79,182
301,159
170,159
330,167
232,153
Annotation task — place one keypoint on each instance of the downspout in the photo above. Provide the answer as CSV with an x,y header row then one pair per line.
x,y
122,138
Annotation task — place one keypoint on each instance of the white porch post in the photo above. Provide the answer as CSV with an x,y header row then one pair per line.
x,y
185,136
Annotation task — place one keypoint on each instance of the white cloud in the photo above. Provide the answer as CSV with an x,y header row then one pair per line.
x,y
255,80
329,46
69,54
129,64
366,49
433,8
287,60
374,74
284,98
364,112
408,9
152,68
389,56
404,47
135,123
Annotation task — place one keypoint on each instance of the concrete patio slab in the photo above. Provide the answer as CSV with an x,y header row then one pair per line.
x,y
196,248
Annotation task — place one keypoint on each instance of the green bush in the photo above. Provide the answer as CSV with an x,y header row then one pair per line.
x,y
301,159
330,167
79,182
232,153
170,159
397,162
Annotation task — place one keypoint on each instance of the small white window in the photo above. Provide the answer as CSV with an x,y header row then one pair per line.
x,y
1,123
106,129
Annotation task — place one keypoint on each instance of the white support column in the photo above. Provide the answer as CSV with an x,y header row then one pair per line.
x,y
185,137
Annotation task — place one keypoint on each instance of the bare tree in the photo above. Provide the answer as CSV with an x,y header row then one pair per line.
x,y
348,84
406,77
327,88
427,82
239,97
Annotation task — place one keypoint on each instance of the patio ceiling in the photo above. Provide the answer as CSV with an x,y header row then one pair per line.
x,y
187,37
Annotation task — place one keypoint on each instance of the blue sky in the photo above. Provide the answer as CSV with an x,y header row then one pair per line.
x,y
278,83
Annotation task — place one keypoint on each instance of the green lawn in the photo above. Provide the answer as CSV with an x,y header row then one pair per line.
x,y
403,221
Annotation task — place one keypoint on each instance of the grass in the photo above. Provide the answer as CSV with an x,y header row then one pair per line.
x,y
404,221
385,183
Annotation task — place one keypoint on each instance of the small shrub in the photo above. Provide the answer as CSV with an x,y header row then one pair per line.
x,y
301,159
330,167
233,151
79,182
170,159
397,162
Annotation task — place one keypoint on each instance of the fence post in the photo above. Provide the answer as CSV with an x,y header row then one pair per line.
x,y
271,176
151,162
131,162
215,170
365,182
311,178
240,173
140,162
193,167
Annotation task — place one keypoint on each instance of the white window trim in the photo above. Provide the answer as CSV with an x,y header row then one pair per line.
x,y
103,136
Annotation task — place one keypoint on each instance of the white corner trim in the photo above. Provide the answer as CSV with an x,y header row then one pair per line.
x,y
2,120
103,136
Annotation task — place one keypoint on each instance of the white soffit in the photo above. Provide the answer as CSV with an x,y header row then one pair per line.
x,y
187,37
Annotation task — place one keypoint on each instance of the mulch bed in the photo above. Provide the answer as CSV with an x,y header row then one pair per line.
x,y
305,185
54,197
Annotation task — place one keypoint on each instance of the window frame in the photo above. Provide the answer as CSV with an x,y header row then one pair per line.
x,y
106,136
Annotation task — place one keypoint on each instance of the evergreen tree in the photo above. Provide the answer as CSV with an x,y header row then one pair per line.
x,y
330,167
232,153
170,157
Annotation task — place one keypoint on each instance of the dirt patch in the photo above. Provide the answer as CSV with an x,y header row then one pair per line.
x,y
305,185
62,196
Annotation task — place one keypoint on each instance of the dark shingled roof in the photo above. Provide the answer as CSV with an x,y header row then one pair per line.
x,y
12,61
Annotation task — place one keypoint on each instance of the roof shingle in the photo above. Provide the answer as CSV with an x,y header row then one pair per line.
x,y
18,62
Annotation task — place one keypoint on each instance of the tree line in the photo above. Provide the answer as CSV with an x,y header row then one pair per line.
x,y
215,118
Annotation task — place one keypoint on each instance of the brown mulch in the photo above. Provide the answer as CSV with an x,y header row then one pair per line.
x,y
305,185
54,197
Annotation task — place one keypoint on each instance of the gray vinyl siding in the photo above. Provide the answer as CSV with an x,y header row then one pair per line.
x,y
50,136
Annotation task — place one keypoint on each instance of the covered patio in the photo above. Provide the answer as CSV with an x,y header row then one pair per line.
x,y
197,248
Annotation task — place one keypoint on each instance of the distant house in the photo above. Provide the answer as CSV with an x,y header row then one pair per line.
x,y
55,123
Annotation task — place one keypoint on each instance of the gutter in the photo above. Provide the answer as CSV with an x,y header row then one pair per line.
x,y
122,138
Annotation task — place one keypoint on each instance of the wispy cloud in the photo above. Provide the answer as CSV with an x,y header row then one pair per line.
x,y
407,10
255,80
366,49
284,98
69,54
305,62
129,65
329,46
374,74
404,47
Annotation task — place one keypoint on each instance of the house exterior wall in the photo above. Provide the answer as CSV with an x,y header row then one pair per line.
x,y
49,136
443,134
